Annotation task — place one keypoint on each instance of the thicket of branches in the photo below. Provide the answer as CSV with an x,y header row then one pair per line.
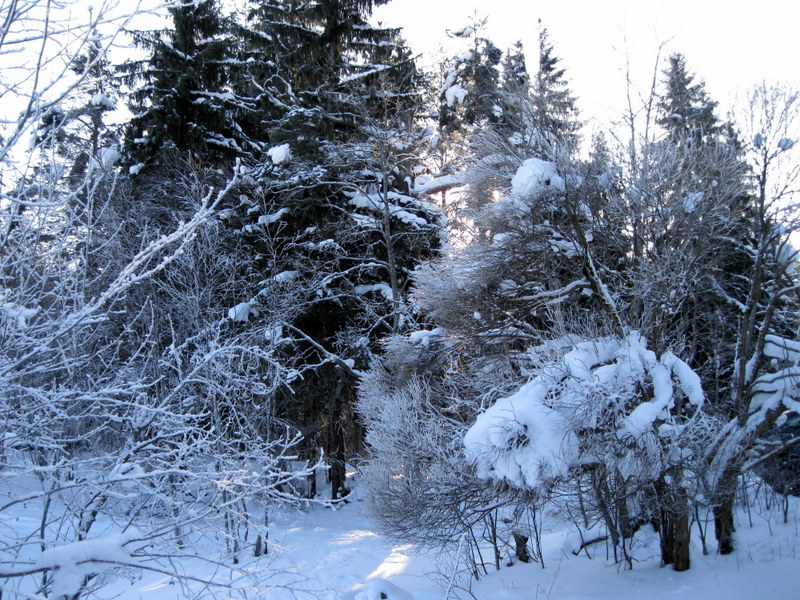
x,y
616,336
252,271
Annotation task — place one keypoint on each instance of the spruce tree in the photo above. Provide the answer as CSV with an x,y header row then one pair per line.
x,y
514,96
555,112
685,110
181,98
334,218
468,96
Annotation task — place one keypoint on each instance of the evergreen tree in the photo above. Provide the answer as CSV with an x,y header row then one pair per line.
x,y
468,96
514,96
685,110
333,217
535,117
702,186
555,113
181,98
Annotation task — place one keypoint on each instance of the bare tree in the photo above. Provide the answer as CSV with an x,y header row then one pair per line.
x,y
131,419
40,42
759,391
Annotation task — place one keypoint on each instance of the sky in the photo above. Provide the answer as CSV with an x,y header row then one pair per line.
x,y
731,45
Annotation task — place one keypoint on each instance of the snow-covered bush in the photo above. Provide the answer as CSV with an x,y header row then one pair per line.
x,y
136,425
608,408
416,403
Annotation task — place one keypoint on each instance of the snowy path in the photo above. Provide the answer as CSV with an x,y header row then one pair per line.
x,y
338,550
330,554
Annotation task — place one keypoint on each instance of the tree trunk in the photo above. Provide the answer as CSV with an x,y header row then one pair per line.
x,y
674,526
682,538
723,523
521,547
336,442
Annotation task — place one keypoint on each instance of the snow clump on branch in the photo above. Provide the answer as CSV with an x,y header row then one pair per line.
x,y
613,385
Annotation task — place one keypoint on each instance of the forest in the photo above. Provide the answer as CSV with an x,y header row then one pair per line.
x,y
261,248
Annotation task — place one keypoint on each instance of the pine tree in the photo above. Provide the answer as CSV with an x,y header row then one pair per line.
x,y
335,219
685,110
468,96
555,113
703,186
181,98
514,96
534,117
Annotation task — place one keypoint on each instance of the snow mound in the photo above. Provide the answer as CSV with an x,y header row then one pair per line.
x,y
455,94
531,438
241,312
535,177
272,218
102,101
71,563
377,589
280,154
424,337
520,440
384,289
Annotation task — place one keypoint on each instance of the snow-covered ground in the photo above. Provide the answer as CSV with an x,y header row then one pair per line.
x,y
337,554
343,551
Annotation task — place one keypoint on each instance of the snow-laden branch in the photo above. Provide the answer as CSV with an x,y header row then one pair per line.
x,y
154,258
611,385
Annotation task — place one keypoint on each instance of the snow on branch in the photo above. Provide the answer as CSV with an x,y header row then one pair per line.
x,y
141,267
613,385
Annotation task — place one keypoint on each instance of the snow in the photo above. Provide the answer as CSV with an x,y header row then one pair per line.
x,y
72,562
18,314
689,381
465,56
273,218
377,589
516,139
241,312
102,100
224,96
339,554
535,177
342,552
520,440
781,348
384,289
455,94
530,438
361,75
377,203
280,154
692,201
424,337
347,559
109,156
286,276
463,32
426,185
135,169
